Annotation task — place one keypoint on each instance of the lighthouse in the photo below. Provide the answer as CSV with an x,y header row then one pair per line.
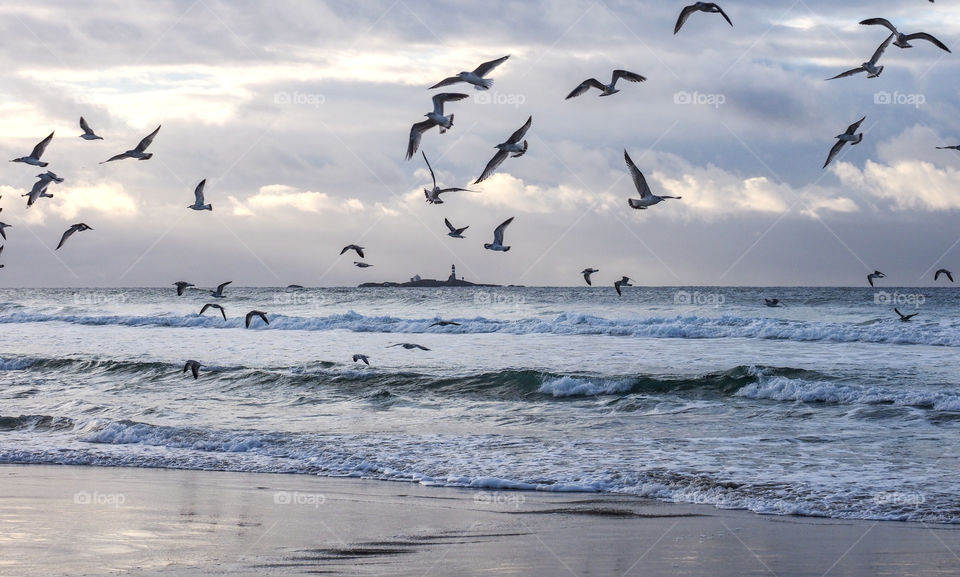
x,y
453,273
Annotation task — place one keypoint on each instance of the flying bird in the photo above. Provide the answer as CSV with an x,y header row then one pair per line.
x,y
1,252
699,7
219,292
364,358
49,176
605,89
625,281
904,317
410,346
34,157
647,198
444,324
903,40
870,67
213,306
497,243
181,285
454,231
511,146
79,227
586,274
88,133
3,233
850,135
476,78
952,147
38,191
937,274
434,118
433,195
198,195
353,247
873,275
139,152
359,264
252,314
194,367
772,302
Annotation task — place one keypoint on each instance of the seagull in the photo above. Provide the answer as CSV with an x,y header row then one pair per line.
x,y
3,233
869,67
194,367
904,317
214,306
198,193
625,281
476,77
79,227
433,196
647,198
849,136
454,231
903,40
953,147
873,275
219,292
87,131
586,274
34,157
937,274
358,249
699,7
181,285
1,252
137,152
444,324
252,314
605,89
410,346
497,243
49,176
364,358
772,302
359,264
434,118
38,191
512,145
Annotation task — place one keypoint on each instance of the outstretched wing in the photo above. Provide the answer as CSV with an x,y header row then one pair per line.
x,y
497,159
221,286
439,99
486,67
446,82
67,234
880,49
453,229
520,132
852,129
638,180
722,13
928,38
833,152
584,86
684,14
498,232
850,72
198,192
41,146
416,132
85,127
147,140
626,75
433,177
879,22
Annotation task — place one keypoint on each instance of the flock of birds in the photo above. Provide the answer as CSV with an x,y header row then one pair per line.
x,y
514,146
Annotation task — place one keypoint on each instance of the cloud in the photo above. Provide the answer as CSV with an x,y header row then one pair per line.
x,y
280,197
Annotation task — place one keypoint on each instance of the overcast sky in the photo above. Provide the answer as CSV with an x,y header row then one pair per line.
x,y
297,113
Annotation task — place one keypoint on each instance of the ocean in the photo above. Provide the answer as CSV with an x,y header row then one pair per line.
x,y
829,406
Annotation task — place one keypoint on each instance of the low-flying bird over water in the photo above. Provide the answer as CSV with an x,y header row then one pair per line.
x,y
139,152
433,195
903,40
476,78
213,306
88,133
252,314
605,89
34,157
79,227
772,302
355,248
434,118
198,198
192,366
625,281
497,243
850,135
410,346
181,285
219,292
444,324
511,146
904,317
699,7
364,358
875,274
3,232
586,274
359,264
937,274
870,67
647,198
454,231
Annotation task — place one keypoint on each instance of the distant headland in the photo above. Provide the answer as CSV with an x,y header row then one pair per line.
x,y
416,281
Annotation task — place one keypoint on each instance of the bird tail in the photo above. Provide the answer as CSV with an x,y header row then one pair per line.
x,y
208,207
147,156
485,84
42,164
506,248
522,152
857,141
443,129
487,245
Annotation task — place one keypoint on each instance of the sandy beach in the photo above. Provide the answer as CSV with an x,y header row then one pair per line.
x,y
64,520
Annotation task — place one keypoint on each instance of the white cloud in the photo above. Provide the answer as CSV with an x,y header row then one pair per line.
x,y
279,197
